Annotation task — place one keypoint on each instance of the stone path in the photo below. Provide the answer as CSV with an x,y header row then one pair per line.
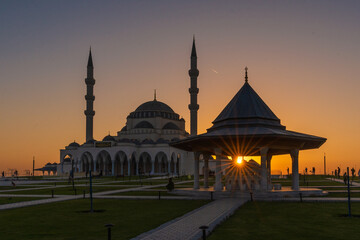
x,y
354,184
58,198
312,199
187,226
36,202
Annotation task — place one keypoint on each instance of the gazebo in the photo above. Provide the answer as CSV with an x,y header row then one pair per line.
x,y
247,127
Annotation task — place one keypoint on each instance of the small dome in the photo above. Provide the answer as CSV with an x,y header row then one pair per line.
x,y
171,125
74,144
161,140
154,106
135,141
109,138
147,141
144,124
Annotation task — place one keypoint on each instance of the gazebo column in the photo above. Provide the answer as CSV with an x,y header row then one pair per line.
x,y
268,166
294,153
196,171
218,185
264,156
206,171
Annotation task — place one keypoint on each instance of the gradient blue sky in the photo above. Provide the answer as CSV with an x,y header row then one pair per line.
x,y
303,59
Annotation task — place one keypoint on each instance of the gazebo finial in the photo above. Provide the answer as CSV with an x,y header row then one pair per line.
x,y
246,76
154,94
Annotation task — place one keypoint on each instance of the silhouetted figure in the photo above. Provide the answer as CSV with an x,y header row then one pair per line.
x,y
313,170
339,172
345,178
3,173
170,186
13,184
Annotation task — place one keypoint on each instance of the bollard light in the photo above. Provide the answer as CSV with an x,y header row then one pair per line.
x,y
109,226
203,228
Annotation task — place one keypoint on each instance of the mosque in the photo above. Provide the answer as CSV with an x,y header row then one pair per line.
x,y
142,146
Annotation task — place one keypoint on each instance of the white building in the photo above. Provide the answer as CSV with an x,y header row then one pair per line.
x,y
142,145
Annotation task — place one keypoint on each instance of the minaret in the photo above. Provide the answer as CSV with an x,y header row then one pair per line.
x,y
193,90
89,97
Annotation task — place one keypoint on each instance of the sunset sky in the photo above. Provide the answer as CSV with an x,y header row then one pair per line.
x,y
303,59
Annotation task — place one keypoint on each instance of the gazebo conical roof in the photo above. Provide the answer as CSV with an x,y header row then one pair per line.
x,y
245,126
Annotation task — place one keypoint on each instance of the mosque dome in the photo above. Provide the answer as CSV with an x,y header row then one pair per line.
x,y
74,144
154,106
154,109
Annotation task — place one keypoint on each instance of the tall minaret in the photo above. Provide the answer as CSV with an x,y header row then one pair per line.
x,y
193,90
89,97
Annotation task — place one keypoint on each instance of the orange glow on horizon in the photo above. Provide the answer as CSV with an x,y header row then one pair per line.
x,y
42,76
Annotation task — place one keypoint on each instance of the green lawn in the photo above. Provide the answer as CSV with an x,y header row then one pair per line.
x,y
309,183
145,193
281,220
6,200
337,194
68,190
11,187
65,220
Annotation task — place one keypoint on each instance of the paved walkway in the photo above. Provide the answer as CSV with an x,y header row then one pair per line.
x,y
59,198
355,184
36,202
187,226
311,199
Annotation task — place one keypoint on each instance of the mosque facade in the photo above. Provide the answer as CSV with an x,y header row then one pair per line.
x,y
142,146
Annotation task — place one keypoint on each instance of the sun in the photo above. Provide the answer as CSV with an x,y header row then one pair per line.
x,y
239,160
